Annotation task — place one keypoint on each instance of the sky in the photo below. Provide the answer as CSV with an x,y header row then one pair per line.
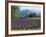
x,y
37,10
28,7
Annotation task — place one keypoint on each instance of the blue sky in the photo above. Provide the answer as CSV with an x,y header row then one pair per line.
x,y
31,8
37,10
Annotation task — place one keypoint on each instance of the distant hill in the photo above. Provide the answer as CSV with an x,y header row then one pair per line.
x,y
26,12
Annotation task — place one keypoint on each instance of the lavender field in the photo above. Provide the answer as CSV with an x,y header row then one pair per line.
x,y
25,24
25,18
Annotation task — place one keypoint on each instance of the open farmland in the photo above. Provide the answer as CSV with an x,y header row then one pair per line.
x,y
25,24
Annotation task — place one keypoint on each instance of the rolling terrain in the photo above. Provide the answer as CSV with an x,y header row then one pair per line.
x,y
25,24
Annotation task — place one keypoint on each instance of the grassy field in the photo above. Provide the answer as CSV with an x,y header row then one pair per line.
x,y
25,24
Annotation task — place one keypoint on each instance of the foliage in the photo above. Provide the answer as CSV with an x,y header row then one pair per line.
x,y
15,12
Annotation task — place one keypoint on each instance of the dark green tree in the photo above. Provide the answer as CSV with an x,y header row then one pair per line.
x,y
15,12
30,15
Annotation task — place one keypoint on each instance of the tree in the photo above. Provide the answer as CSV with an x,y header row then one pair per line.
x,y
34,14
15,12
31,15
